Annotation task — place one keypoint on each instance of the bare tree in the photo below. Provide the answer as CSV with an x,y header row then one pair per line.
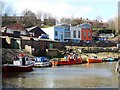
x,y
8,9
39,14
2,4
65,20
30,18
95,24
99,18
7,13
46,15
1,8
111,24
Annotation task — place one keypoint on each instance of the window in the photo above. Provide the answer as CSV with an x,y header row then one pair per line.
x,y
67,34
89,34
84,34
74,33
78,34
56,33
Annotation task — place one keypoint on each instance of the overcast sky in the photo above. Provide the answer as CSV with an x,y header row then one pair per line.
x,y
66,8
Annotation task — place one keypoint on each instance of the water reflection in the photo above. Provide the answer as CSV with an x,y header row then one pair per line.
x,y
70,76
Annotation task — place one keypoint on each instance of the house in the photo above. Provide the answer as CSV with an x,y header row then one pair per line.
x,y
60,32
82,32
65,32
11,35
86,32
49,31
106,33
75,34
15,30
37,32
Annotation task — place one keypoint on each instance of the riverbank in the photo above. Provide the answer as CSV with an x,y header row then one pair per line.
x,y
100,55
9,54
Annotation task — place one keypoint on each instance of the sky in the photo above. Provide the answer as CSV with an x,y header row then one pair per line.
x,y
90,9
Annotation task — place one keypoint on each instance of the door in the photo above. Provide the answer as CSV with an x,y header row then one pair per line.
x,y
23,61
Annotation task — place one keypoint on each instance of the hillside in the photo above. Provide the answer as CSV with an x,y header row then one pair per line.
x,y
9,54
115,39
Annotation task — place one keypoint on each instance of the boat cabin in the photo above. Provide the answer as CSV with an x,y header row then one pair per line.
x,y
41,59
22,60
94,57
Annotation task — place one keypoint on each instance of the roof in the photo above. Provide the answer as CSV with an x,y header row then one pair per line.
x,y
85,25
49,40
36,29
65,26
16,26
29,29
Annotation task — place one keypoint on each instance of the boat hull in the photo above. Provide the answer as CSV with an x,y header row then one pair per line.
x,y
70,62
110,59
90,60
14,68
42,64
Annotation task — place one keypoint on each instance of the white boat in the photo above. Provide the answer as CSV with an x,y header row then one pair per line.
x,y
21,63
41,62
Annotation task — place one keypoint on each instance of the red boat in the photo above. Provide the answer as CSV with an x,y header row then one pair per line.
x,y
67,61
21,63
94,59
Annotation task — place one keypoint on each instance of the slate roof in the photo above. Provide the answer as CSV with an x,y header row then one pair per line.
x,y
36,29
85,25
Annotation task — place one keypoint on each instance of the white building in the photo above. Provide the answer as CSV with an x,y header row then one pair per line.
x,y
75,33
49,31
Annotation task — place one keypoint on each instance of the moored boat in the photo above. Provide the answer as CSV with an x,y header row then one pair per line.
x,y
70,60
21,63
108,59
94,59
42,62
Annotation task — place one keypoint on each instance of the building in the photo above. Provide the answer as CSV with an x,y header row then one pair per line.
x,y
37,32
65,32
49,31
82,32
60,32
16,30
106,34
11,35
75,34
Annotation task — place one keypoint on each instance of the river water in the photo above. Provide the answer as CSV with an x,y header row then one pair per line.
x,y
95,75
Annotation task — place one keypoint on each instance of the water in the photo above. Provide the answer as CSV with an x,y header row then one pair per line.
x,y
96,75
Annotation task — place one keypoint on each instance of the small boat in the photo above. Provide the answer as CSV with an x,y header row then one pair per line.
x,y
67,61
94,59
21,63
42,62
108,59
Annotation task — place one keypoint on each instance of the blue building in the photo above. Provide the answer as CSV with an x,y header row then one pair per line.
x,y
62,32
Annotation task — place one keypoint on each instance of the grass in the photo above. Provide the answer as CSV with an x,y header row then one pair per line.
x,y
45,26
